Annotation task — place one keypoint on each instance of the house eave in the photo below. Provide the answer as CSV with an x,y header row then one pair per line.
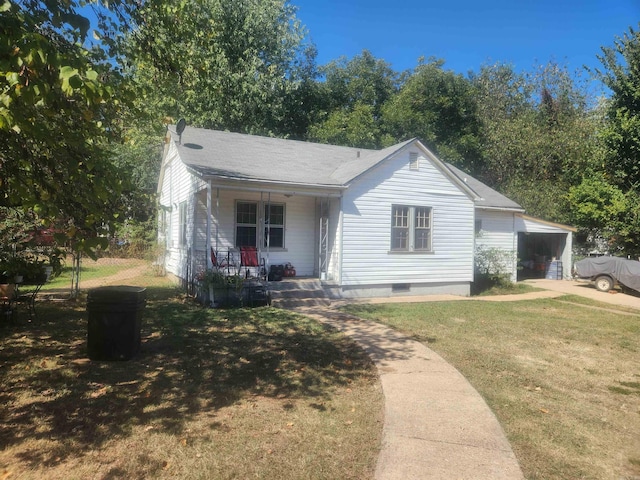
x,y
546,222
284,187
500,209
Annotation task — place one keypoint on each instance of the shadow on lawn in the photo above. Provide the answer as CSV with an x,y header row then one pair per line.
x,y
192,360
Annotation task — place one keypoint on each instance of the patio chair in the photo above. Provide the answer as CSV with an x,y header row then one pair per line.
x,y
7,299
229,262
250,259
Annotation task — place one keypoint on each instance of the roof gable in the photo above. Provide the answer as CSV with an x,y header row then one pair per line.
x,y
250,157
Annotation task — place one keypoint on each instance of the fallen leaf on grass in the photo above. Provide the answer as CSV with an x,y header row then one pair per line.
x,y
544,410
98,393
348,422
165,465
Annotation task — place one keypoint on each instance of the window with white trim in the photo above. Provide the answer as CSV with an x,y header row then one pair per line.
x,y
274,225
411,228
247,223
414,163
182,224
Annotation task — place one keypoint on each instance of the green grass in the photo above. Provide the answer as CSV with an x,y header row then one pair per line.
x,y
509,289
245,393
561,376
102,270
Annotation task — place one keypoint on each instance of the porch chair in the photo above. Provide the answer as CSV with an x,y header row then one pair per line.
x,y
250,258
228,263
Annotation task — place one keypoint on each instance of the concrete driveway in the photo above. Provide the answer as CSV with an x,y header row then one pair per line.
x,y
585,289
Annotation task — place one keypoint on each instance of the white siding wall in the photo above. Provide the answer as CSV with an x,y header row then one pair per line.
x,y
300,228
367,226
334,243
178,186
498,232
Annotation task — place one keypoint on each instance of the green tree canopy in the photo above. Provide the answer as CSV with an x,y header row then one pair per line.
x,y
241,66
58,111
351,98
438,107
621,136
537,133
622,132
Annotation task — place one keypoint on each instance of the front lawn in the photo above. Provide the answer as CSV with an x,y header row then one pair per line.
x,y
562,377
243,393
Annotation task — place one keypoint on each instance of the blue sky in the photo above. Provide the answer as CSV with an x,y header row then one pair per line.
x,y
465,33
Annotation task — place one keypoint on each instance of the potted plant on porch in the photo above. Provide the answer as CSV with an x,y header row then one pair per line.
x,y
218,290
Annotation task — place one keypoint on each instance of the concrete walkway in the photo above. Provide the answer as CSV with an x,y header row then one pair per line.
x,y
584,289
436,425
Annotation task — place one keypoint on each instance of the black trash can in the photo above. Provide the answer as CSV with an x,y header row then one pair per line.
x,y
115,320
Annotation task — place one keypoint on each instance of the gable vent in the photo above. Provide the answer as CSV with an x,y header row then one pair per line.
x,y
414,163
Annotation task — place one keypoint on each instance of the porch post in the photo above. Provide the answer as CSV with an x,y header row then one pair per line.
x,y
208,252
217,218
268,232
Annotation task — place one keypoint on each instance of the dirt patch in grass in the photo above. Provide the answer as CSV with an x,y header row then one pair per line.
x,y
562,378
242,393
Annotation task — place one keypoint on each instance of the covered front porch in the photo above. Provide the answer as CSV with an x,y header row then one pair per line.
x,y
298,227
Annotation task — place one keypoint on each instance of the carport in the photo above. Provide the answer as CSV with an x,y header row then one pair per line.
x,y
544,248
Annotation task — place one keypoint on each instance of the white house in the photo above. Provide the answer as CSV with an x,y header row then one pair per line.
x,y
367,222
538,248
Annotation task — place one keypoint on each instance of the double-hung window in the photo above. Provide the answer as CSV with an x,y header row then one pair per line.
x,y
411,228
182,224
248,223
274,225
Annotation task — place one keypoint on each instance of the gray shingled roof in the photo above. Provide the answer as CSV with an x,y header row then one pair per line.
x,y
240,156
489,198
251,157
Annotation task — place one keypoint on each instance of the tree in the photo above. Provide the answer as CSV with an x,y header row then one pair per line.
x,y
438,107
621,133
538,135
58,111
354,127
241,66
352,97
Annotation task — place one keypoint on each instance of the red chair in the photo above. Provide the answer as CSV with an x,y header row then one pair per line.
x,y
229,263
249,258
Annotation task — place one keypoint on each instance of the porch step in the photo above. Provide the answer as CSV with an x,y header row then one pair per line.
x,y
294,293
